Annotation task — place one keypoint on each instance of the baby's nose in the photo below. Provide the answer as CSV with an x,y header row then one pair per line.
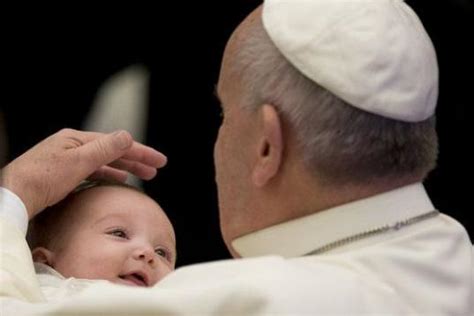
x,y
146,254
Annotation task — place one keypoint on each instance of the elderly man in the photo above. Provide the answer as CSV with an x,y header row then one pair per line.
x,y
328,132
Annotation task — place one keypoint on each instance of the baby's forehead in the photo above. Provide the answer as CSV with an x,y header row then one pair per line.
x,y
111,214
104,204
111,189
110,198
118,196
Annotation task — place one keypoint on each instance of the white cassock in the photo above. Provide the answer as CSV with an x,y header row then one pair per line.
x,y
377,256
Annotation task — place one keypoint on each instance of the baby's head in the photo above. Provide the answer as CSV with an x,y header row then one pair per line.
x,y
106,231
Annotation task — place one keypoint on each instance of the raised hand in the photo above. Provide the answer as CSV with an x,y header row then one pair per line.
x,y
46,173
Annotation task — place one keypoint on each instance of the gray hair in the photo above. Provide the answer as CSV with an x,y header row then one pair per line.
x,y
339,143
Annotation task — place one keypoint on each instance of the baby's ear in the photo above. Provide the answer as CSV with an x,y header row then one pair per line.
x,y
43,255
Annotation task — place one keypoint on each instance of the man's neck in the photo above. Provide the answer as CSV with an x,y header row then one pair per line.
x,y
303,195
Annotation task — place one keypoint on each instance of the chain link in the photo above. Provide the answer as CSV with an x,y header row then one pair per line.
x,y
370,233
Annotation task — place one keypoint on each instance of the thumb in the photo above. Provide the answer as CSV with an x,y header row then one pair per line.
x,y
104,150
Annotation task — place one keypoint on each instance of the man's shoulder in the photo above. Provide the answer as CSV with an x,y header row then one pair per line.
x,y
230,268
268,271
284,283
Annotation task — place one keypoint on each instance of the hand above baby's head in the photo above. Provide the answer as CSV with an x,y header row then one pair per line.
x,y
46,173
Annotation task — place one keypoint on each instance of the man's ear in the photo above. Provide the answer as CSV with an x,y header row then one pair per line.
x,y
270,147
43,255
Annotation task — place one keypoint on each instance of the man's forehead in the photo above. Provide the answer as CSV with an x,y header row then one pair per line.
x,y
241,31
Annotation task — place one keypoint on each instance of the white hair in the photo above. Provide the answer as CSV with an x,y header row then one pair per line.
x,y
339,142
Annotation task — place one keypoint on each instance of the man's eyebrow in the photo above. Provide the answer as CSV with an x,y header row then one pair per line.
x,y
216,93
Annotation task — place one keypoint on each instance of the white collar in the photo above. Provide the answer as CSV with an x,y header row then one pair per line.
x,y
303,235
41,268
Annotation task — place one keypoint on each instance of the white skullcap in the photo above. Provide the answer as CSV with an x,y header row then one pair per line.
x,y
373,54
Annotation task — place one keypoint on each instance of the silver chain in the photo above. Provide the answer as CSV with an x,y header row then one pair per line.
x,y
370,233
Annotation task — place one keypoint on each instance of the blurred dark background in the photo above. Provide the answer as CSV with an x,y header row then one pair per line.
x,y
57,56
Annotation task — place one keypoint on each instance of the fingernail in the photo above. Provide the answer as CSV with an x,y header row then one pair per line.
x,y
123,139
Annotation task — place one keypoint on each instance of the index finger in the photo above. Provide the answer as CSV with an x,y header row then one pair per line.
x,y
145,155
137,152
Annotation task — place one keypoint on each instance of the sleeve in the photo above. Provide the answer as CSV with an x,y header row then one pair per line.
x,y
190,293
13,210
17,275
258,286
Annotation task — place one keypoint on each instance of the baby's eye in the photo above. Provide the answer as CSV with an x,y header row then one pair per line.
x,y
161,252
118,233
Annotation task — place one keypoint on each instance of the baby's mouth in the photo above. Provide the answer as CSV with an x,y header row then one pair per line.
x,y
134,279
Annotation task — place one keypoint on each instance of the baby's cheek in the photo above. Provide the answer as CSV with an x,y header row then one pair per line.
x,y
86,267
101,267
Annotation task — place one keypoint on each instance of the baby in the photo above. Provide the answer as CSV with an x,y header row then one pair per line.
x,y
107,231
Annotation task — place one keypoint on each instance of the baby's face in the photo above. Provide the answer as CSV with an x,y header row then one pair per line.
x,y
119,235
